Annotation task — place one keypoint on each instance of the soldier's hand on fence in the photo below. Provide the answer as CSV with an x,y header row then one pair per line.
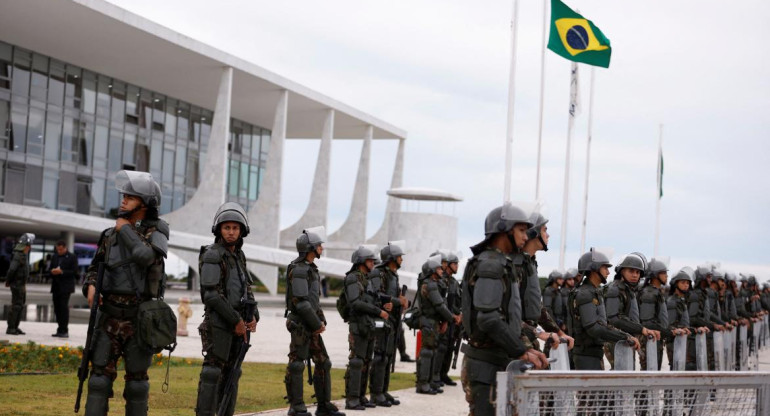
x,y
384,315
719,327
537,358
570,340
320,330
252,326
634,343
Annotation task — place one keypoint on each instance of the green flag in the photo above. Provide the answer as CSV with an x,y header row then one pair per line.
x,y
577,38
660,174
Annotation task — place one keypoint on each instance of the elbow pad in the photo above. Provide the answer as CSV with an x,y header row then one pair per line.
x,y
504,336
308,315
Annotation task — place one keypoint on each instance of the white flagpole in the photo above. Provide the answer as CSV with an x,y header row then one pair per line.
x,y
542,92
588,163
565,201
657,195
511,90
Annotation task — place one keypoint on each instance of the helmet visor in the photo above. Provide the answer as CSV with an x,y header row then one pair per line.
x,y
518,212
397,248
135,183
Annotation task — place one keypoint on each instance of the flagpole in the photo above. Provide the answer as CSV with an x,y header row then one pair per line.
x,y
542,92
588,162
565,200
657,196
511,90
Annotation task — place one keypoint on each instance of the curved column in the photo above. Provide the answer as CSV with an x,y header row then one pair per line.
x,y
394,205
353,230
317,208
265,215
195,216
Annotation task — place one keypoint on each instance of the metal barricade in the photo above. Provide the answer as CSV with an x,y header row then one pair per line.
x,y
719,352
744,346
701,355
619,392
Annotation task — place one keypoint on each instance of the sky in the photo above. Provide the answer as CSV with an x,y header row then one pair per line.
x,y
440,69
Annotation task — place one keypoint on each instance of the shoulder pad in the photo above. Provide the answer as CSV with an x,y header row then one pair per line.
x,y
613,291
301,270
671,302
376,272
162,227
105,234
584,295
213,254
159,241
490,268
351,278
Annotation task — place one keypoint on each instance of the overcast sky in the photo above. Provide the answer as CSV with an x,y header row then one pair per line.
x,y
439,70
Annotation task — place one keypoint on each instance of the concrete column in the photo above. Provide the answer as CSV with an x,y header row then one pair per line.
x,y
353,230
197,214
265,215
69,239
317,208
394,204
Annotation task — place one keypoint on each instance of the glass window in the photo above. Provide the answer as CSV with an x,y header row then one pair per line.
x,y
5,123
159,112
50,188
73,90
35,128
39,77
132,105
56,83
129,144
244,185
142,158
178,198
191,177
22,61
101,137
253,182
2,173
156,157
52,138
180,165
114,160
104,86
168,165
18,128
69,139
232,178
97,195
255,143
145,110
206,117
6,63
118,92
86,146
33,184
171,117
183,122
67,191
265,141
246,140
112,203
89,92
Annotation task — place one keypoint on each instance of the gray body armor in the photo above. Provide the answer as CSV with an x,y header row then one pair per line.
x,y
432,303
135,260
552,301
698,308
653,312
677,312
303,292
225,284
454,298
715,309
622,307
530,282
492,305
18,270
362,305
564,299
587,321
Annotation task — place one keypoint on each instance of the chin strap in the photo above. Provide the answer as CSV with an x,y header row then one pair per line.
x,y
128,214
545,246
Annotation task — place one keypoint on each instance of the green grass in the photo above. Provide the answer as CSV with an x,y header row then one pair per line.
x,y
261,388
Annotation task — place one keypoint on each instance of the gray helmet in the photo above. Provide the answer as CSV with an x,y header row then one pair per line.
x,y
26,239
363,253
717,274
593,260
141,184
765,285
392,250
631,261
702,272
443,253
503,218
656,266
744,278
730,277
452,257
430,266
538,220
571,273
227,212
752,280
685,273
310,239
554,276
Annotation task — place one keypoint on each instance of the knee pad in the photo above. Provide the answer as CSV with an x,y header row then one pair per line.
x,y
136,390
426,353
100,385
296,367
378,358
356,364
326,365
210,374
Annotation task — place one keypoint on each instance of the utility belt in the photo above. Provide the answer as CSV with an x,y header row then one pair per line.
x,y
119,311
492,356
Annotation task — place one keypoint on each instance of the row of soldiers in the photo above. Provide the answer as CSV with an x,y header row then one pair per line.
x,y
504,315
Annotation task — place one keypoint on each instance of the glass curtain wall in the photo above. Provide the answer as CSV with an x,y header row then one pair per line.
x,y
65,131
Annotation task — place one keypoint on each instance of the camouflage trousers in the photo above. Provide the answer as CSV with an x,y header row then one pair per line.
x,y
609,352
479,385
361,347
428,346
18,299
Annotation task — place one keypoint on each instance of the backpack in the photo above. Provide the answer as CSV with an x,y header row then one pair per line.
x,y
342,306
413,313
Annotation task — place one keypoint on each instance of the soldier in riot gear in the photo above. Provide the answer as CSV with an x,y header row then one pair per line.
x,y
443,337
133,252
384,280
306,322
534,311
435,316
454,303
653,312
16,279
700,308
552,296
363,312
586,315
492,307
226,294
678,316
725,298
622,306
571,278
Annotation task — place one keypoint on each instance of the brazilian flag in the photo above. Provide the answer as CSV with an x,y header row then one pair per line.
x,y
577,38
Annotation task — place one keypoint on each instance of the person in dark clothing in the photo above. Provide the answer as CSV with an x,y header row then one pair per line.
x,y
63,271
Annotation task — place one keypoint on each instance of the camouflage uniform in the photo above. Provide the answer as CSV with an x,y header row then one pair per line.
x,y
16,279
622,313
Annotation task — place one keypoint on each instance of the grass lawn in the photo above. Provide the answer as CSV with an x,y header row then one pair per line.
x,y
261,388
